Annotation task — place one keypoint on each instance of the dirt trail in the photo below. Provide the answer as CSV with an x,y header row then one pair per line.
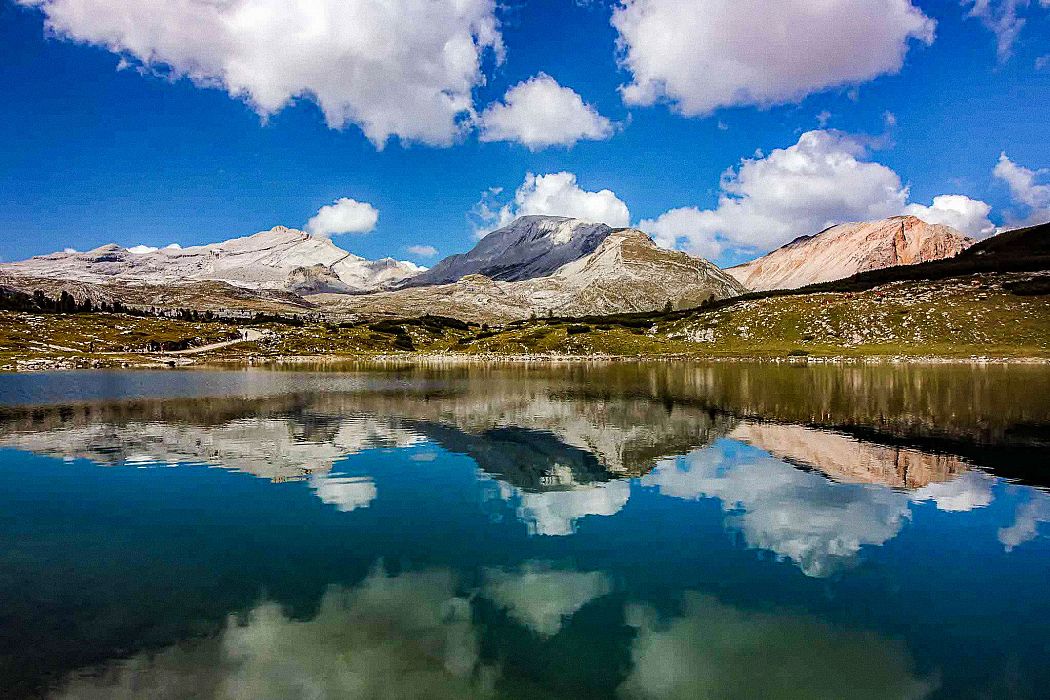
x,y
247,335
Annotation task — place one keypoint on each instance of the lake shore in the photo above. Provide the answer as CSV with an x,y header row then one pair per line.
x,y
491,358
174,361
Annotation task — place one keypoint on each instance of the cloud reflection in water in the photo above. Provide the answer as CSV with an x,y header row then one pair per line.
x,y
389,637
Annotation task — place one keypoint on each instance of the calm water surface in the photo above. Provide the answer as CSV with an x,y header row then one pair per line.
x,y
669,531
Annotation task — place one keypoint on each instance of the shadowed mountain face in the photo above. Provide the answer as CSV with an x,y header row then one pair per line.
x,y
844,250
531,246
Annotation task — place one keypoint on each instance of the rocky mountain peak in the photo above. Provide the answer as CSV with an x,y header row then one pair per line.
x,y
627,235
846,249
528,247
628,259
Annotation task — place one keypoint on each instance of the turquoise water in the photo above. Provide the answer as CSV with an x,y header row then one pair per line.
x,y
580,531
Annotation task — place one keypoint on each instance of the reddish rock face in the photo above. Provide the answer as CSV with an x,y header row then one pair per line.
x,y
848,460
847,249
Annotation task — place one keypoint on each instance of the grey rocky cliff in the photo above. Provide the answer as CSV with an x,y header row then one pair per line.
x,y
531,246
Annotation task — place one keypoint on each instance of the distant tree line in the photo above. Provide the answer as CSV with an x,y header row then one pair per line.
x,y
66,303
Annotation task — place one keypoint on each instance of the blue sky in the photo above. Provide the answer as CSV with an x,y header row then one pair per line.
x,y
96,147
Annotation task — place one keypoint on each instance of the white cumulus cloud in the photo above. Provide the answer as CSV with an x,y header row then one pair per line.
x,y
539,113
824,179
1029,517
553,194
963,493
401,68
958,211
422,251
1025,189
557,513
704,54
142,249
345,215
712,650
821,180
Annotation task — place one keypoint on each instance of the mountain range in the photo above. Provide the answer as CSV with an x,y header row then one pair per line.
x,y
281,259
537,265
626,272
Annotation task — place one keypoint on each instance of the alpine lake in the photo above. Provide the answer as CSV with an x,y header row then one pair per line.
x,y
578,530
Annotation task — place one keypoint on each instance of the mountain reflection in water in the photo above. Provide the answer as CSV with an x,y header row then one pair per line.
x,y
557,457
578,531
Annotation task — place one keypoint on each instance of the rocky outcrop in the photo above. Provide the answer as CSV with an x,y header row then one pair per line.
x,y
626,272
846,249
316,279
278,259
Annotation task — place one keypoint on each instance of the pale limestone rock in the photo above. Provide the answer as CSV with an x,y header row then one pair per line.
x,y
273,260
